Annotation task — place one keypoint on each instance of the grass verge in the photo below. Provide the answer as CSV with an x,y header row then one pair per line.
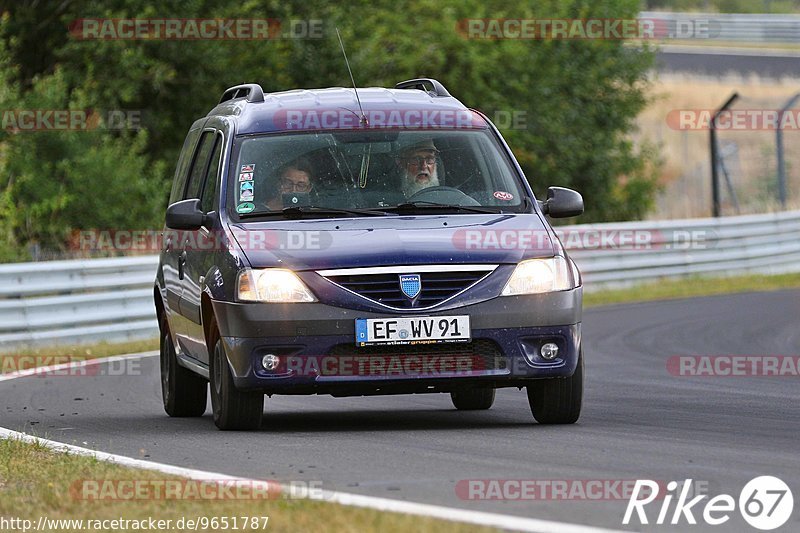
x,y
35,482
89,351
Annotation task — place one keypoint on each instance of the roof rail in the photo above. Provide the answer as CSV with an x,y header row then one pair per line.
x,y
437,89
252,91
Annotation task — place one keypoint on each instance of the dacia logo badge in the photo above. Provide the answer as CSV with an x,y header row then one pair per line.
x,y
411,285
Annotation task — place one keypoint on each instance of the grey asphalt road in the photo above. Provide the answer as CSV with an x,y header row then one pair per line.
x,y
639,421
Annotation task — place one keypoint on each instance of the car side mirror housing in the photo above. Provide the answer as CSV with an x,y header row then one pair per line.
x,y
562,203
185,215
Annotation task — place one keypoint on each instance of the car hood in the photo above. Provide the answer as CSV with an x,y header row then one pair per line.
x,y
394,240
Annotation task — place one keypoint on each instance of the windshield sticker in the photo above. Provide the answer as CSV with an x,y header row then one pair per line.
x,y
503,195
248,168
246,207
246,191
246,176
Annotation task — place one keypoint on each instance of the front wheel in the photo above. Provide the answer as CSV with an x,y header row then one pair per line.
x,y
233,409
558,400
183,392
473,399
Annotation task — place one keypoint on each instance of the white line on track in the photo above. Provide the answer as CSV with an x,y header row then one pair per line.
x,y
453,514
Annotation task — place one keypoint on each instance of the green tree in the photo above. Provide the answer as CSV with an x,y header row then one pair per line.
x,y
576,101
60,181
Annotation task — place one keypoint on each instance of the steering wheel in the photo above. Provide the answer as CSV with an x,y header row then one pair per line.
x,y
443,195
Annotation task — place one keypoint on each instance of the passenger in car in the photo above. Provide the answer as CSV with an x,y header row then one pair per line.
x,y
295,176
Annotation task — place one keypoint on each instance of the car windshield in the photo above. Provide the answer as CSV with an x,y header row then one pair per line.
x,y
371,173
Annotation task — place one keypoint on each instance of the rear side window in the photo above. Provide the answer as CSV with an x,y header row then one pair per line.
x,y
182,172
200,164
211,186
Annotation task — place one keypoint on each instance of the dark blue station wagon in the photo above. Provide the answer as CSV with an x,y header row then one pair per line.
x,y
378,241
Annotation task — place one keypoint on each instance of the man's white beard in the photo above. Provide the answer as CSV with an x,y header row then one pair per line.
x,y
411,187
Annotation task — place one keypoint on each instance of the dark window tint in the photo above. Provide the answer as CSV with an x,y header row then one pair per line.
x,y
200,164
212,181
182,172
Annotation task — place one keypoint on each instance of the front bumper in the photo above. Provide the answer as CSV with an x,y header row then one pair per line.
x,y
316,345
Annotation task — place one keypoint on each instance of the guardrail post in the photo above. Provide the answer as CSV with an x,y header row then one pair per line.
x,y
781,158
712,127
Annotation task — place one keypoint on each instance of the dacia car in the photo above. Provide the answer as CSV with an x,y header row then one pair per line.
x,y
364,241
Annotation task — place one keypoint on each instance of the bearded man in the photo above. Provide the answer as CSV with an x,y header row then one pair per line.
x,y
417,165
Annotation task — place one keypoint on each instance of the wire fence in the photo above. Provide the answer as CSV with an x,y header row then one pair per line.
x,y
757,142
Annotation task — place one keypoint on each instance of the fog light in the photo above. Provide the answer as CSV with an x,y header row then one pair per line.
x,y
270,361
549,350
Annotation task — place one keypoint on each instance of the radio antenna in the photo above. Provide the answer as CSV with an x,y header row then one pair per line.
x,y
363,121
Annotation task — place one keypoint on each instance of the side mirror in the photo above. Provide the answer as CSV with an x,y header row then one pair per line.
x,y
185,215
562,203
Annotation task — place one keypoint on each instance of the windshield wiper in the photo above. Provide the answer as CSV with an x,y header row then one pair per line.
x,y
299,211
421,204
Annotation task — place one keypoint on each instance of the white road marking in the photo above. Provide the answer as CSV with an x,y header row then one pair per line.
x,y
452,514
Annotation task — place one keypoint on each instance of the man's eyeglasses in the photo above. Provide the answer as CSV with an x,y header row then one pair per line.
x,y
417,161
294,186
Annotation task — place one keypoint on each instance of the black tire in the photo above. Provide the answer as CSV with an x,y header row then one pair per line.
x,y
558,400
233,409
473,399
184,393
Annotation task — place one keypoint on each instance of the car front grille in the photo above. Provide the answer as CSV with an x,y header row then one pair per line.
x,y
384,288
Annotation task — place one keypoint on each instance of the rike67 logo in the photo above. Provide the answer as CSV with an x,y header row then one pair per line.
x,y
765,503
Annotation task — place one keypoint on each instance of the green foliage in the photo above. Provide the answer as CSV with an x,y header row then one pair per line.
x,y
65,180
575,101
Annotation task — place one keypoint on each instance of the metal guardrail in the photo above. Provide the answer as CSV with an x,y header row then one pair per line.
x,y
765,244
707,28
68,302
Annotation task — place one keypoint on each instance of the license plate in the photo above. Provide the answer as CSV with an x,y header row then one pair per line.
x,y
412,330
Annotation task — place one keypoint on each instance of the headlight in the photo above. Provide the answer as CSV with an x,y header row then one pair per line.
x,y
272,285
539,275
